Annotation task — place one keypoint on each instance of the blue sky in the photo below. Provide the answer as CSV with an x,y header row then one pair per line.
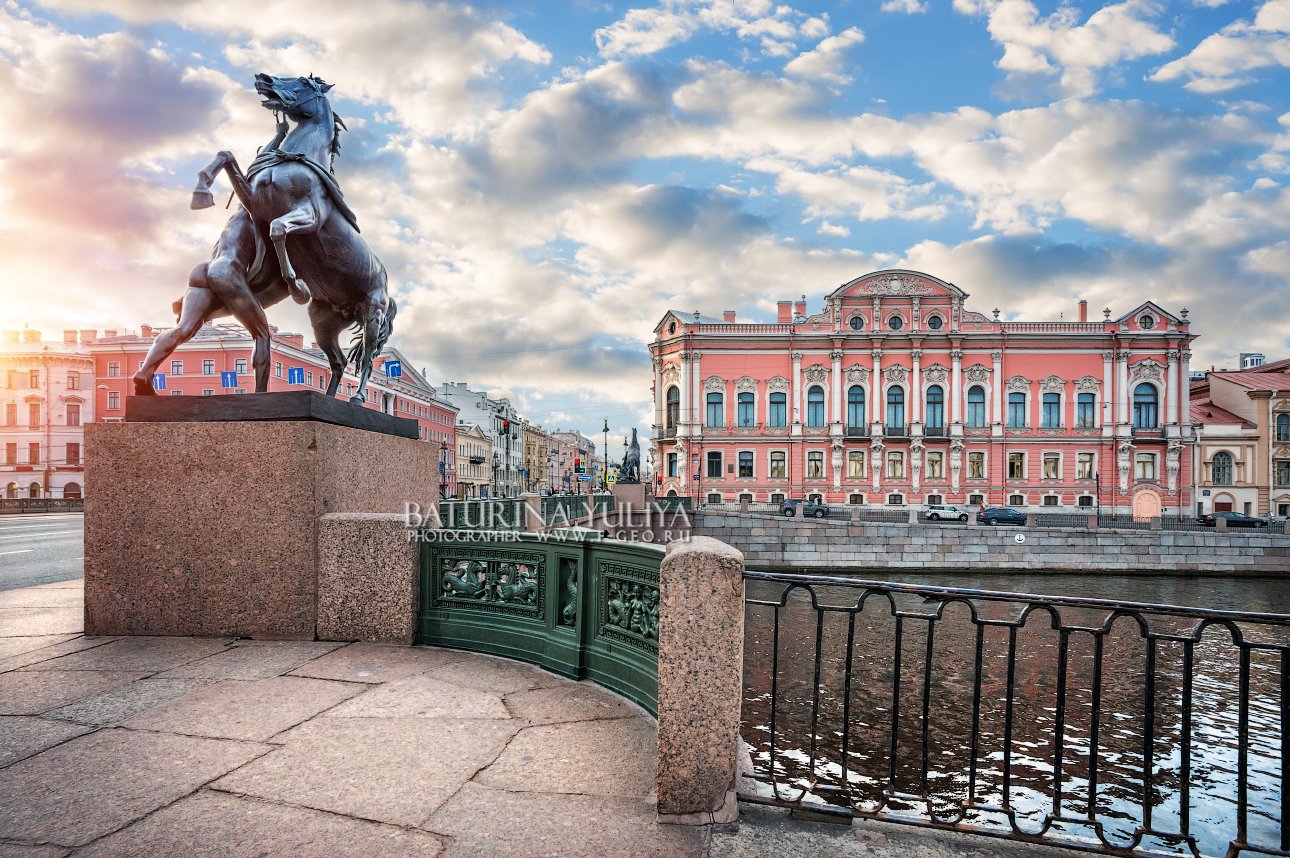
x,y
544,180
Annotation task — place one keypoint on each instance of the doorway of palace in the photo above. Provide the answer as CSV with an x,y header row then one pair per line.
x,y
1146,505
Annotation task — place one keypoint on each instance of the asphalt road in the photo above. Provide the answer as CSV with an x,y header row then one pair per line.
x,y
40,549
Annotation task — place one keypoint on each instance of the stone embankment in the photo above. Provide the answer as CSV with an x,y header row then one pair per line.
x,y
774,542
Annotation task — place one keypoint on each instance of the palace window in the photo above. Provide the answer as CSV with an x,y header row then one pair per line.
x,y
1084,466
855,464
671,464
856,323
895,323
1145,407
976,466
745,464
1282,472
935,465
1052,411
73,453
1017,410
208,367
895,500
714,464
935,416
1222,469
239,366
715,415
1084,500
277,369
895,408
974,500
815,465
114,369
33,454
1085,411
1016,466
73,381
895,465
815,406
73,414
855,406
1052,466
1146,465
778,409
1050,500
777,467
114,400
746,409
1016,500
673,414
855,499
935,322
1283,427
176,367
33,415
976,406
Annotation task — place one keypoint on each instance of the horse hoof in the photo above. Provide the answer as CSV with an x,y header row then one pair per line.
x,y
299,291
143,387
357,400
202,200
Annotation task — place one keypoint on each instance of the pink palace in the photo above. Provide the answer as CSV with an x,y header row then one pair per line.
x,y
897,394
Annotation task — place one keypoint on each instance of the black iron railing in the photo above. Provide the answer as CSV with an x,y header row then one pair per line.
x,y
1108,726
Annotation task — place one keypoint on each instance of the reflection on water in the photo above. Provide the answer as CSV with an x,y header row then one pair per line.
x,y
1166,682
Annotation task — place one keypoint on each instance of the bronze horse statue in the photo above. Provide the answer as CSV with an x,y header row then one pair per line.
x,y
291,202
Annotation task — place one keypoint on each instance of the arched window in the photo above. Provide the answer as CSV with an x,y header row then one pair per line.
x,y
11,491
1222,469
673,407
33,490
72,490
855,406
1283,427
746,406
1052,411
935,416
1017,410
895,408
815,406
777,413
715,415
1145,407
976,406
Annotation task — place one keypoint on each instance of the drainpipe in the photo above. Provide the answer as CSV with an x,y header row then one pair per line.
x,y
49,418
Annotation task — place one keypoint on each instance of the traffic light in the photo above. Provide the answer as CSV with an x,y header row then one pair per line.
x,y
577,466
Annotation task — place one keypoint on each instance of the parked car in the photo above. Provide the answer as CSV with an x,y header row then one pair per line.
x,y
811,509
936,512
1000,515
1234,519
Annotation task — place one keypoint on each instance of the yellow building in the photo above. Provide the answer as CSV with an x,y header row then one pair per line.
x,y
475,462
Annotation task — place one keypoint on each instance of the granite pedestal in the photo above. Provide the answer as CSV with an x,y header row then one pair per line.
x,y
208,526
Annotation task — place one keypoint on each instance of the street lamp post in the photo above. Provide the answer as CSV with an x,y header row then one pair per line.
x,y
604,474
443,459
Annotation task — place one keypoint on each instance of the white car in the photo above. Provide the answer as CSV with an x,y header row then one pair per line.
x,y
937,512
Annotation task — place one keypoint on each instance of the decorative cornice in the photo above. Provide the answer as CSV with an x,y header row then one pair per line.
x,y
895,374
956,354
936,374
1053,384
894,285
1087,384
777,384
997,357
857,375
1019,383
977,373
836,355
797,357
714,384
747,383
815,375
1149,369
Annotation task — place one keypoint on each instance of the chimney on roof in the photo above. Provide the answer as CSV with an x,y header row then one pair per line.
x,y
109,333
294,340
88,336
729,315
799,309
69,336
145,331
30,336
1083,310
785,312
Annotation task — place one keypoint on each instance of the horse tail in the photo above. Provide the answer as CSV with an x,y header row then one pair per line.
x,y
382,336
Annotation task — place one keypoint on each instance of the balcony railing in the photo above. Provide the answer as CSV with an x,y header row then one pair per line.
x,y
667,432
934,431
856,432
896,431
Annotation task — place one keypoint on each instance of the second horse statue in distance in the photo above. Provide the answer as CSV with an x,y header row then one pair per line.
x,y
293,235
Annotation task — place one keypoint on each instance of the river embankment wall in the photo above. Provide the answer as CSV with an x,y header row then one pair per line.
x,y
777,543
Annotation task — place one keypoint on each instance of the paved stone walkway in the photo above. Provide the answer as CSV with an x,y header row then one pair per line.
x,y
197,747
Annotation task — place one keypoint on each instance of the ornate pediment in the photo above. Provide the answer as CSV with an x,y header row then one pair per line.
x,y
671,373
1086,384
936,374
815,374
977,373
857,374
1018,383
1281,405
777,384
893,285
747,383
714,384
895,374
1147,370
1052,384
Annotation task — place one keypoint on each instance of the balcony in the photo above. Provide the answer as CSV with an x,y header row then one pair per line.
x,y
1148,433
666,433
935,431
856,432
896,431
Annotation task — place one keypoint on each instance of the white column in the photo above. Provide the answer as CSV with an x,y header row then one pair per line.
x,y
1185,399
797,389
875,390
1122,387
684,417
916,389
997,389
696,392
660,395
837,384
956,385
1105,416
1171,389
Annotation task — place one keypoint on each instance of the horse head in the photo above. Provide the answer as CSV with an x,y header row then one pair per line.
x,y
297,97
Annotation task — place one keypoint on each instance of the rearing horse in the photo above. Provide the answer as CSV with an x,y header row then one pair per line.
x,y
322,259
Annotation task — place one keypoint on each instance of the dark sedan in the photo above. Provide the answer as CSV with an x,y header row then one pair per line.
x,y
1234,519
1000,515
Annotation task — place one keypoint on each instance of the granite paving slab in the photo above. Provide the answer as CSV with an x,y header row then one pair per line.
x,y
22,736
423,696
28,692
18,645
36,656
151,654
248,710
497,674
616,757
119,704
98,783
25,621
570,826
13,850
374,663
407,768
211,824
582,701
254,660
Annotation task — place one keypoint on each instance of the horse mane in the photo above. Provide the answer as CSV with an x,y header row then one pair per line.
x,y
338,125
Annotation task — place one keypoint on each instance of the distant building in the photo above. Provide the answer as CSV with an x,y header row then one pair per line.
x,y
497,418
474,462
571,449
47,396
896,393
1244,455
536,458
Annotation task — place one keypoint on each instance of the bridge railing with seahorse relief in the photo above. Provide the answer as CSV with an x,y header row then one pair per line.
x,y
570,601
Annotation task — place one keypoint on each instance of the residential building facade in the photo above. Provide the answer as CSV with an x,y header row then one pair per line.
x,y
897,393
474,462
1247,471
571,448
498,418
536,455
46,395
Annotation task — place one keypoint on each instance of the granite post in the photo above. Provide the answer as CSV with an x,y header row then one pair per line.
x,y
206,526
700,681
367,578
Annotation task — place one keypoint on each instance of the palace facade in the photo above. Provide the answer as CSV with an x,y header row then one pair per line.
x,y
896,393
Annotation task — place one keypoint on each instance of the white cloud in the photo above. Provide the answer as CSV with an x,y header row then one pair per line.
x,y
1059,44
827,61
833,229
1223,60
648,31
908,7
